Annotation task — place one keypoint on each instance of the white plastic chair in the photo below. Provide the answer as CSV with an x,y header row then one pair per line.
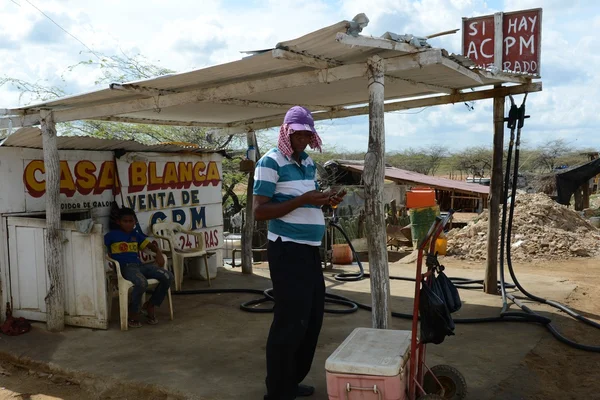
x,y
124,286
168,232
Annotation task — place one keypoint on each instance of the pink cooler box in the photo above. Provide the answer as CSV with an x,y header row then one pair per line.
x,y
369,365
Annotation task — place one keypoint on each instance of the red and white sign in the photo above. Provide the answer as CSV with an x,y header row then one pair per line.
x,y
520,33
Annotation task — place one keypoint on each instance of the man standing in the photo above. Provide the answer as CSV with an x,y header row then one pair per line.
x,y
286,193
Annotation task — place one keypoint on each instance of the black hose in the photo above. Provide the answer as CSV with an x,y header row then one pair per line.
x,y
528,315
506,231
353,306
267,294
513,115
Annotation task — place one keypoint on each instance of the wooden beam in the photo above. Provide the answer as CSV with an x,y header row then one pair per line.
x,y
248,229
374,175
471,74
269,122
149,121
375,43
490,284
143,90
498,40
304,60
420,85
452,197
20,121
504,76
265,104
55,298
586,194
414,61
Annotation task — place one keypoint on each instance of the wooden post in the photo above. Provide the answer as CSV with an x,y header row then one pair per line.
x,y
248,230
55,298
578,195
451,206
374,175
586,195
394,211
491,271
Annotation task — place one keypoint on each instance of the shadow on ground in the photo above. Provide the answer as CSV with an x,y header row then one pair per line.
x,y
213,350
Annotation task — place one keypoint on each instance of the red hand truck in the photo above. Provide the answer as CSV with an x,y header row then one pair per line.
x,y
441,381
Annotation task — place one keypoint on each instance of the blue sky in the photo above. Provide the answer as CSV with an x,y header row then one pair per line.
x,y
186,34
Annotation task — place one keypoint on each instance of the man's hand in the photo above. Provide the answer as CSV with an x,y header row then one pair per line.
x,y
337,198
315,198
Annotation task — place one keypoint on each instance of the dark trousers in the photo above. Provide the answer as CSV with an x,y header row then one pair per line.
x,y
299,291
139,274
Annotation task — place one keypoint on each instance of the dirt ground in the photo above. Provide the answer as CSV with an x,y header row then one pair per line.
x,y
559,371
550,370
28,384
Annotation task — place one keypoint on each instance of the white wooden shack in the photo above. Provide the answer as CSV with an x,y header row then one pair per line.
x,y
161,183
335,72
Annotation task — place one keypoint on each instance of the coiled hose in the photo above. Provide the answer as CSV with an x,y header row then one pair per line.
x,y
506,231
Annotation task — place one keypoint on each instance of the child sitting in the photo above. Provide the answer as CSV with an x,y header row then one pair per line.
x,y
123,245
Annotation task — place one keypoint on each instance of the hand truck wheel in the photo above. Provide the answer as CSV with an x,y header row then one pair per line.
x,y
452,381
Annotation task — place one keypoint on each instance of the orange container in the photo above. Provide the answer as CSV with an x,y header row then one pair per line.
x,y
420,197
441,245
342,254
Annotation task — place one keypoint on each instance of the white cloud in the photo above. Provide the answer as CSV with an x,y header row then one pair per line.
x,y
185,34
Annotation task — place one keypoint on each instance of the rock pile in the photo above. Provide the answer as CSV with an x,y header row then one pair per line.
x,y
542,229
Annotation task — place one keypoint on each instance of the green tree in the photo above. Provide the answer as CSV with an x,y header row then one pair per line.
x,y
123,68
550,152
474,161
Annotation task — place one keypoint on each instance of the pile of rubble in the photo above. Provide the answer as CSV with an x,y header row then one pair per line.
x,y
542,229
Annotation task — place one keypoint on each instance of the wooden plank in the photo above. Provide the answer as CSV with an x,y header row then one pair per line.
x,y
504,76
55,299
420,85
586,194
491,271
266,104
374,175
4,266
131,120
304,60
498,40
20,121
471,74
375,43
248,229
243,126
414,61
452,197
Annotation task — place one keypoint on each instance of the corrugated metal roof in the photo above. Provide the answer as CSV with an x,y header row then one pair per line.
x,y
212,110
404,176
32,138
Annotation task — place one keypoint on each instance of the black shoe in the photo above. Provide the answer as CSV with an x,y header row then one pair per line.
x,y
305,390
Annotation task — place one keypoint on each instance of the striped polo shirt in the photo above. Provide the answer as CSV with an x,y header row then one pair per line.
x,y
281,178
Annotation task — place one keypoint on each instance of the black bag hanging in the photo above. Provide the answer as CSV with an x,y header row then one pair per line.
x,y
436,322
446,290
